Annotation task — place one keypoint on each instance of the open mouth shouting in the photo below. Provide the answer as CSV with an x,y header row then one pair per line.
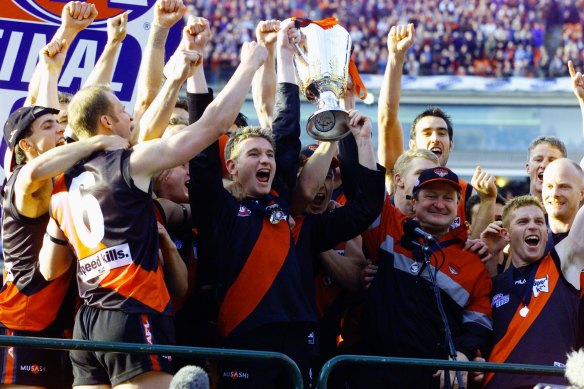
x,y
436,150
532,240
263,175
318,199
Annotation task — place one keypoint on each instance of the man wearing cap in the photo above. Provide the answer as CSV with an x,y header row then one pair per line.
x,y
401,312
31,134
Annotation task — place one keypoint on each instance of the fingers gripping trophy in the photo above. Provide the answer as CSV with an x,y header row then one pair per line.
x,y
322,70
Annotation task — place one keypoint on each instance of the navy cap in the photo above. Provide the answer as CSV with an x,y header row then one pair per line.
x,y
437,174
19,121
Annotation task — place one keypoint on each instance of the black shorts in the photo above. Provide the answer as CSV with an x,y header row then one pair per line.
x,y
33,366
107,368
297,340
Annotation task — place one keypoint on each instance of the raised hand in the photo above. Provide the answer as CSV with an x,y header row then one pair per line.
x,y
484,184
267,32
168,12
253,53
495,237
54,53
287,36
359,124
400,39
116,28
577,82
77,15
197,33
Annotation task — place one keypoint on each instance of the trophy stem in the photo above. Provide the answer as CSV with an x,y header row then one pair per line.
x,y
328,99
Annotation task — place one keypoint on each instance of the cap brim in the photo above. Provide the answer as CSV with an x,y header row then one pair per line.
x,y
9,161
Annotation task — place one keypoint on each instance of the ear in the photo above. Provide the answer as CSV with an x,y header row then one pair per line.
x,y
412,144
105,121
505,235
231,167
25,145
451,145
527,168
399,182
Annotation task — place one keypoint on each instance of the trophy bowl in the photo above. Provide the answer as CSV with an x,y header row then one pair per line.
x,y
322,71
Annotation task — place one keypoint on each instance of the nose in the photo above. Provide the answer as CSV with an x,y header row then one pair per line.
x,y
433,136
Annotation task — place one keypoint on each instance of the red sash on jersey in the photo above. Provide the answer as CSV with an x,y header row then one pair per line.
x,y
256,277
519,325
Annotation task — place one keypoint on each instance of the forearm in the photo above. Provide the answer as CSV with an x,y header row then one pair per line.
x,y
345,270
390,132
312,176
264,90
285,73
102,73
197,83
175,270
48,92
33,87
485,216
151,68
365,153
156,118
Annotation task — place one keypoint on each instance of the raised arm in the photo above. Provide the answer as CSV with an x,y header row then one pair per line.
x,y
312,176
578,89
264,82
219,115
102,73
199,29
484,184
75,17
571,251
52,58
36,175
391,141
166,14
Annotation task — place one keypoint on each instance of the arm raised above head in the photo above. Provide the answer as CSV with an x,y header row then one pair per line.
x,y
219,115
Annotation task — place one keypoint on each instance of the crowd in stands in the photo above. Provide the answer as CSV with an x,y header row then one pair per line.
x,y
505,38
180,223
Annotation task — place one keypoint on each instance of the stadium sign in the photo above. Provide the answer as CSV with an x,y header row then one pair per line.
x,y
28,25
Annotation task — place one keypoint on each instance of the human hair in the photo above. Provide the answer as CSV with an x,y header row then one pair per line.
x,y
475,199
176,120
86,107
64,97
515,204
403,162
549,140
181,103
432,111
241,134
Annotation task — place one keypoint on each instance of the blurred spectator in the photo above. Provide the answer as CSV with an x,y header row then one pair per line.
x,y
504,38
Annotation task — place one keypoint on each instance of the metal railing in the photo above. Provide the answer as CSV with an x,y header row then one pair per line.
x,y
287,362
119,347
437,363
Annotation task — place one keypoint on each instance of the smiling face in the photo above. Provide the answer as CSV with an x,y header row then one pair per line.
x,y
435,207
405,182
254,166
431,133
527,235
562,190
540,156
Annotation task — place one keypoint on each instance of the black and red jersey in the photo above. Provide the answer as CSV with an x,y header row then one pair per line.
x,y
25,292
111,226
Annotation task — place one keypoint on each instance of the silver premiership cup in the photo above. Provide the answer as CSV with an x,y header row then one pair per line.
x,y
322,71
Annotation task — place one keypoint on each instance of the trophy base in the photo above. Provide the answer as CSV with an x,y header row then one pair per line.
x,y
328,125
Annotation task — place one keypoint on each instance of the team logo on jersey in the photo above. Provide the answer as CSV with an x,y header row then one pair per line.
x,y
499,300
540,285
310,338
243,211
34,369
454,270
415,268
456,223
50,10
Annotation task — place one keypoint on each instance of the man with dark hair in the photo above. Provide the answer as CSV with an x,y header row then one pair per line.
x,y
541,151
